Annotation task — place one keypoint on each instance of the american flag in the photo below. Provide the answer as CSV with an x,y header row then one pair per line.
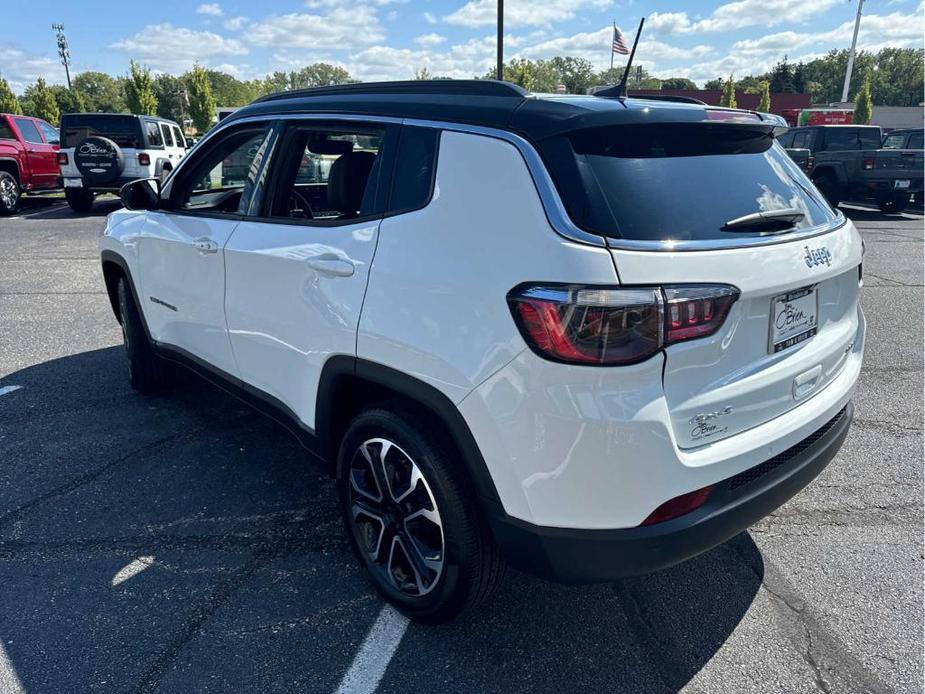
x,y
619,43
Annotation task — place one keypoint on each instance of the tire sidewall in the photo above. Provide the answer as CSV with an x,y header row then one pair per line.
x,y
4,208
447,594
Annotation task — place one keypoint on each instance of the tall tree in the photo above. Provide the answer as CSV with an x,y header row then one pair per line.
x,y
764,103
678,83
68,100
8,101
718,83
577,74
169,92
781,77
319,75
139,91
863,104
39,101
201,101
101,92
729,94
422,74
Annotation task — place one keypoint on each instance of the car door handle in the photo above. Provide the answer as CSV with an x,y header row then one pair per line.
x,y
331,265
205,245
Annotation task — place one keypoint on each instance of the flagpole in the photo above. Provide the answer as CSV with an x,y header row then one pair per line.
x,y
612,37
629,62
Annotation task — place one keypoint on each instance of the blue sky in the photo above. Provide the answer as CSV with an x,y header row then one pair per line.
x,y
390,39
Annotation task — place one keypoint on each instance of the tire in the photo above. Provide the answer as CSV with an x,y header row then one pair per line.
x,y
459,563
9,193
893,204
147,372
829,188
79,199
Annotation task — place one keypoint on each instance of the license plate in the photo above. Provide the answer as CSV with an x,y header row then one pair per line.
x,y
73,183
794,318
901,184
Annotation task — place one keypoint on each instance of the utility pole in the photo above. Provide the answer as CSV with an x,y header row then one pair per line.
x,y
854,43
63,51
499,70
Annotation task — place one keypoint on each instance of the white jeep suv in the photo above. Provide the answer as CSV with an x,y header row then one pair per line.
x,y
585,336
101,152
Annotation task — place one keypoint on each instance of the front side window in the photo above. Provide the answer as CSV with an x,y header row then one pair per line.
x,y
28,131
896,141
326,173
217,179
153,134
51,135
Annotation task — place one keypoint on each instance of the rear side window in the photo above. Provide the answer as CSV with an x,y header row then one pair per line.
x,y
916,141
178,137
801,140
125,131
680,182
165,131
842,139
28,131
153,134
415,163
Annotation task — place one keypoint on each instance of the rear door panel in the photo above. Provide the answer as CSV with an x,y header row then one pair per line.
x,y
729,382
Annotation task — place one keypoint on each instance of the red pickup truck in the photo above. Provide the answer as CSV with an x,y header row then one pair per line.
x,y
28,159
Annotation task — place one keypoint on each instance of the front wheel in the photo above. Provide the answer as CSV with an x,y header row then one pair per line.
x,y
79,199
9,193
411,517
829,188
147,372
894,203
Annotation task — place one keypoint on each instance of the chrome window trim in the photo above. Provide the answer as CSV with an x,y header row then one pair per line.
x,y
555,210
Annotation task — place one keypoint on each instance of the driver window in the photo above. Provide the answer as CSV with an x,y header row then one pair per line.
x,y
328,173
218,181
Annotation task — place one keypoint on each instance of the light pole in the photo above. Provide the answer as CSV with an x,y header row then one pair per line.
x,y
499,70
63,51
854,43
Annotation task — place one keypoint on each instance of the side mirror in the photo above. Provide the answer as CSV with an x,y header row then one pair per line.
x,y
143,194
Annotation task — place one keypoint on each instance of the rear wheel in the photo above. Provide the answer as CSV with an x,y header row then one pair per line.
x,y
828,186
412,518
79,199
9,193
147,372
893,203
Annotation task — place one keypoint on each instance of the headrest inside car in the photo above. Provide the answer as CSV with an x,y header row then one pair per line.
x,y
321,146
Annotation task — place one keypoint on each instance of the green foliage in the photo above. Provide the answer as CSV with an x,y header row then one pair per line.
x,y
729,94
577,74
863,104
68,100
230,91
39,101
276,82
422,74
8,101
764,103
139,91
101,92
319,75
201,101
678,83
781,77
169,93
718,83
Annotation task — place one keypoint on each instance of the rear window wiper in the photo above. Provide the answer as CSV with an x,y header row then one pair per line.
x,y
776,220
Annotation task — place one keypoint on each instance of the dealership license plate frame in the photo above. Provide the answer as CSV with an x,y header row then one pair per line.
x,y
73,183
780,339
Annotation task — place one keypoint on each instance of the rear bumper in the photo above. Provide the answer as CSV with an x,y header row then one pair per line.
x,y
589,556
112,187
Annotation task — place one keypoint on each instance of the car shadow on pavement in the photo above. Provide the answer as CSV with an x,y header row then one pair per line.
x,y
858,213
182,542
44,208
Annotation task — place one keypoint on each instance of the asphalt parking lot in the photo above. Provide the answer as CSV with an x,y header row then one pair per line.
x,y
183,543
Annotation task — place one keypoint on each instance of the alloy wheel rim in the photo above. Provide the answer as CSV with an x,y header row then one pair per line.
x,y
394,517
8,192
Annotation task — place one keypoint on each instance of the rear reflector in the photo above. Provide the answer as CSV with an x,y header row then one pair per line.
x,y
62,158
144,159
674,508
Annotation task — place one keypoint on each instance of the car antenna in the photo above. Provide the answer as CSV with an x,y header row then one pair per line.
x,y
619,91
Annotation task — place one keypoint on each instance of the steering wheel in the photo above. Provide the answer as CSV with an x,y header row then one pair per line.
x,y
298,203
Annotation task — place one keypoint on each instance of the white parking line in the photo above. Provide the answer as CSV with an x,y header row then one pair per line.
x,y
374,655
9,389
132,569
9,681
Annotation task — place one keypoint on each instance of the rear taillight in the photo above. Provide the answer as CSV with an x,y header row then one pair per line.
x,y
620,325
680,505
868,163
62,158
144,159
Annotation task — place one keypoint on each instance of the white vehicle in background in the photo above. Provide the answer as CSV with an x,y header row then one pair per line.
x,y
101,152
589,336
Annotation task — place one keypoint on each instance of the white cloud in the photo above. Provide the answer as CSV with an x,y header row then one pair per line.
x,y
739,14
341,28
461,61
212,9
430,18
429,40
235,23
477,13
21,69
175,49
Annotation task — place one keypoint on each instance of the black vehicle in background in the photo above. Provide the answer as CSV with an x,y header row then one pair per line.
x,y
846,162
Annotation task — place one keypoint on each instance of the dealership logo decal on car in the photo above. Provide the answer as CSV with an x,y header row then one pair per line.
x,y
817,256
92,148
704,426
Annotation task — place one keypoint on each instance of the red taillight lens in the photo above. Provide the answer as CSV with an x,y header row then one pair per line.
x,y
674,508
611,326
144,159
868,163
62,158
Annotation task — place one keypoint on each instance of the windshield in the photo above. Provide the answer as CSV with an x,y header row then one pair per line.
x,y
125,131
680,181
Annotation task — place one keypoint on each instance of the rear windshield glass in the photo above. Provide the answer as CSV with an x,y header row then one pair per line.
x,y
678,181
125,131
